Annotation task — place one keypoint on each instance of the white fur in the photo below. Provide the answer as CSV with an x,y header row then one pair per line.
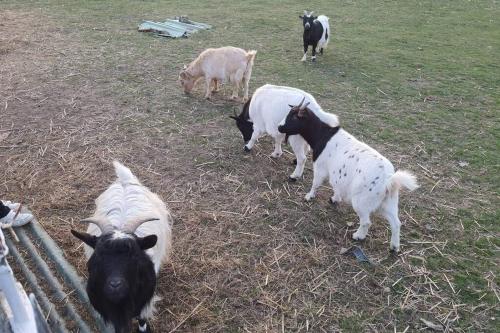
x,y
269,107
362,168
128,200
323,42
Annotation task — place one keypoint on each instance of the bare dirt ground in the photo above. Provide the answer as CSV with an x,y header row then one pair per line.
x,y
249,254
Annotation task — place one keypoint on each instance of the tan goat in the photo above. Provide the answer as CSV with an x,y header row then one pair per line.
x,y
225,64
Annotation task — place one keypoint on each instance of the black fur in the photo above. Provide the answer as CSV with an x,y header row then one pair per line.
x,y
313,30
121,279
243,122
310,127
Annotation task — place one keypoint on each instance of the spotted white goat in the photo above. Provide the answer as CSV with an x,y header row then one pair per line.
x,y
225,64
128,238
358,173
262,115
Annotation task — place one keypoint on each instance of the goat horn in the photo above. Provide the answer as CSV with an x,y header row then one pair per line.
x,y
310,14
101,223
302,101
305,106
132,226
305,12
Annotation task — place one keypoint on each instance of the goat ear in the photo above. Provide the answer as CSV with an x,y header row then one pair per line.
x,y
301,17
88,239
147,242
234,117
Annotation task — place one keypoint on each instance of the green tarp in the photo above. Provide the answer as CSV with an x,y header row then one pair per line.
x,y
175,28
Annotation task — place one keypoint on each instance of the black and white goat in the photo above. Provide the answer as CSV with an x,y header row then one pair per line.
x,y
358,173
316,33
128,238
262,114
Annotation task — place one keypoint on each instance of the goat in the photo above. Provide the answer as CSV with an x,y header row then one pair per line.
x,y
220,65
316,33
262,114
128,238
358,173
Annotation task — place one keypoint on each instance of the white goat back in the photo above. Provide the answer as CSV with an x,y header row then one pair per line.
x,y
128,200
270,106
222,63
356,169
323,42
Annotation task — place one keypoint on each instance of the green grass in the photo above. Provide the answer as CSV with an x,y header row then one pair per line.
x,y
418,80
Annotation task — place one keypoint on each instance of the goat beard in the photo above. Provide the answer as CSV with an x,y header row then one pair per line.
x,y
121,320
119,314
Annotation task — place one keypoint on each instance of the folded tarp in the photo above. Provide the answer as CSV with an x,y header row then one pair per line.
x,y
176,28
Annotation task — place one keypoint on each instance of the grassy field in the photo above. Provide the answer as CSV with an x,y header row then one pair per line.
x,y
417,80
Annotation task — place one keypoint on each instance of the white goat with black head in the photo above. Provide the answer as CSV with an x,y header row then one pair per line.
x,y
128,238
262,114
358,173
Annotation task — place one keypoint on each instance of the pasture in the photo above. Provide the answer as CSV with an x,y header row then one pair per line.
x,y
417,80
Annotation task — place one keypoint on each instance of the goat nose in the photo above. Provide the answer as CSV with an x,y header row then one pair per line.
x,y
115,283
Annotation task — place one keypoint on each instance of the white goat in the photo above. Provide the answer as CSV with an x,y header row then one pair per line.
x,y
358,173
262,115
225,64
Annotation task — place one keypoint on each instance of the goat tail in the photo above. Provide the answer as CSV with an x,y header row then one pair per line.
x,y
251,56
402,178
125,176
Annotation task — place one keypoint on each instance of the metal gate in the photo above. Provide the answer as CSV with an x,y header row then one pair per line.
x,y
40,265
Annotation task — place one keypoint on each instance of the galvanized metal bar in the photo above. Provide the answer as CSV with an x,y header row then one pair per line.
x,y
52,281
59,325
67,271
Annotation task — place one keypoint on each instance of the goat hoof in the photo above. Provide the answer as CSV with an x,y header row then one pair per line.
x,y
358,237
394,249
291,179
144,328
273,155
294,161
313,59
308,197
335,204
247,149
